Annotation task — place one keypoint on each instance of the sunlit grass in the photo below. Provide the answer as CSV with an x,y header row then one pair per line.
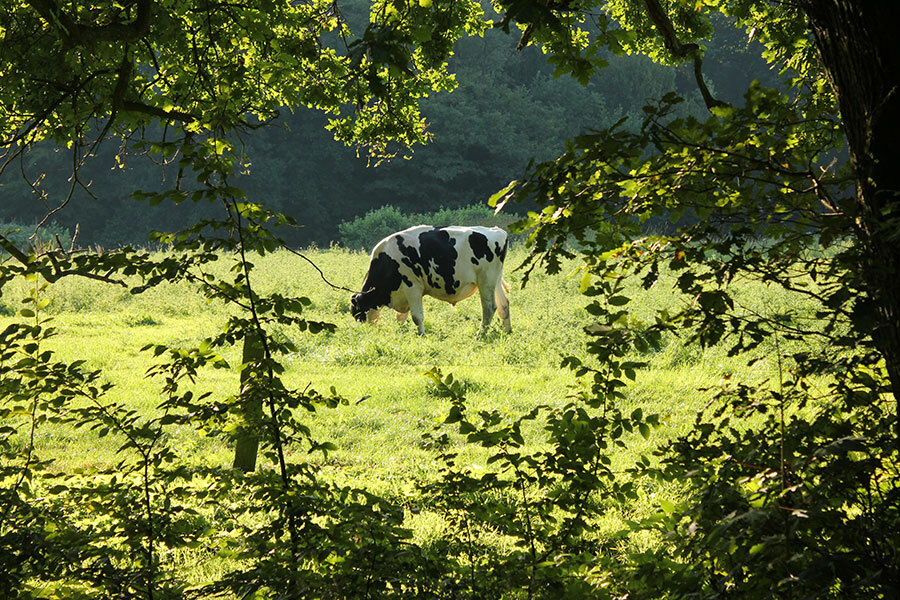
x,y
383,363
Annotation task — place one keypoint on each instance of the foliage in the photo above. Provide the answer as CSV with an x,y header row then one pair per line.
x,y
366,231
103,533
545,502
802,503
182,85
378,368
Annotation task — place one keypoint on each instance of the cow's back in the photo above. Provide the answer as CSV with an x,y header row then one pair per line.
x,y
446,262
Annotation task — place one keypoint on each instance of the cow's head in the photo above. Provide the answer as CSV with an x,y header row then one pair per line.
x,y
355,309
362,305
382,279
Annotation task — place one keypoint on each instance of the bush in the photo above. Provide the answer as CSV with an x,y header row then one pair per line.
x,y
366,231
21,235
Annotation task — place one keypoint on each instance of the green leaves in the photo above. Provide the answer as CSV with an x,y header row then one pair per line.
x,y
743,194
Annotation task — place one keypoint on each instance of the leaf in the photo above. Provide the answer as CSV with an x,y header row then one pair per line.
x,y
756,548
667,506
595,309
599,329
585,282
454,416
645,430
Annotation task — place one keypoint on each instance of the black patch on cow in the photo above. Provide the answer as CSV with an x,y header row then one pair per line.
x,y
410,257
384,277
480,249
501,252
437,247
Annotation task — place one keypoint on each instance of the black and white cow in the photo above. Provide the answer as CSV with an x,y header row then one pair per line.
x,y
447,263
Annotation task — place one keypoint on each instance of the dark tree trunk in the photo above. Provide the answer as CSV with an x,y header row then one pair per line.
x,y
858,42
246,439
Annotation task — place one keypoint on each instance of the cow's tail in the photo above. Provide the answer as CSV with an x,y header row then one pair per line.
x,y
500,292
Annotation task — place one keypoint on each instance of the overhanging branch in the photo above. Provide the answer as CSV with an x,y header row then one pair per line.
x,y
76,34
13,250
58,271
155,111
666,29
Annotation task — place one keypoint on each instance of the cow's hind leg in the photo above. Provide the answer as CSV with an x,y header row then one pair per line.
x,y
502,305
416,311
488,307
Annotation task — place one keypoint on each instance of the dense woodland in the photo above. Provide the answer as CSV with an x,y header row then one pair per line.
x,y
508,109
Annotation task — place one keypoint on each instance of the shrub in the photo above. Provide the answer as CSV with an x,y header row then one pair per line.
x,y
21,234
366,231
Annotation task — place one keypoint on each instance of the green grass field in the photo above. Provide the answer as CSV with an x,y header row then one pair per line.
x,y
379,368
383,363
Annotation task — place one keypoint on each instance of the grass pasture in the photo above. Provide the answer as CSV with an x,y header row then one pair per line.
x,y
383,363
378,368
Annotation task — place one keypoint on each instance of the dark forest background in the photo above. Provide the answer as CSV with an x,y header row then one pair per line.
x,y
508,109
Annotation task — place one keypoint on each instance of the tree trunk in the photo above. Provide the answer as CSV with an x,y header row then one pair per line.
x,y
857,40
246,438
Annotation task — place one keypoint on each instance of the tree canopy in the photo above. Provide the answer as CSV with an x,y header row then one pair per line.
x,y
184,82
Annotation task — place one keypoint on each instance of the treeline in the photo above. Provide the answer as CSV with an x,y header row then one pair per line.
x,y
507,110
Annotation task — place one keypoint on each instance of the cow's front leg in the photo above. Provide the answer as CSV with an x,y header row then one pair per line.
x,y
416,310
401,316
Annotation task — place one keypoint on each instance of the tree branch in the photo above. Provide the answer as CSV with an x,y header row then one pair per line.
x,y
76,34
13,250
664,25
58,272
708,98
316,267
155,111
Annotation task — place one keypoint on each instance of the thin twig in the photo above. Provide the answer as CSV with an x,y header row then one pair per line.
x,y
316,267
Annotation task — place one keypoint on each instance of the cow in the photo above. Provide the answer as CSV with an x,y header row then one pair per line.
x,y
447,263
